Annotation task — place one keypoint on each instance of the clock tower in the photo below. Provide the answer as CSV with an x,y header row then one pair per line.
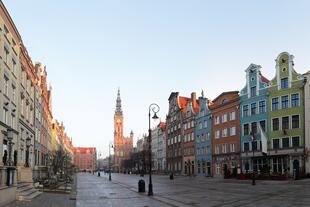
x,y
123,146
118,120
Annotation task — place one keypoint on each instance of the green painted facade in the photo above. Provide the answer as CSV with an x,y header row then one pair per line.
x,y
284,158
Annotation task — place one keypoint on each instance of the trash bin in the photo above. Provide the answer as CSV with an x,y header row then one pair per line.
x,y
98,174
171,176
141,186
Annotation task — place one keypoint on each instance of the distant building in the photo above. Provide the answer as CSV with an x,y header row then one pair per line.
x,y
159,147
85,158
123,146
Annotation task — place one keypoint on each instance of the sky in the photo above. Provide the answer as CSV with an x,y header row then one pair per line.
x,y
150,49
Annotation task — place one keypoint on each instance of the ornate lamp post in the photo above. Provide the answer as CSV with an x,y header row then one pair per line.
x,y
28,143
155,108
110,146
253,142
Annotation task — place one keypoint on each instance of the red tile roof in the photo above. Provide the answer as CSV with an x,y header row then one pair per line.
x,y
182,101
264,79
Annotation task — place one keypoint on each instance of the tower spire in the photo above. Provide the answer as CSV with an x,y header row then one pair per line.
x,y
118,110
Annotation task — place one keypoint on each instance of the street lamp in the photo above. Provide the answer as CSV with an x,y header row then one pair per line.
x,y
27,151
110,146
155,108
10,138
253,142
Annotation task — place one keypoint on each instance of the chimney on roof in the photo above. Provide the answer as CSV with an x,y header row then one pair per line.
x,y
194,103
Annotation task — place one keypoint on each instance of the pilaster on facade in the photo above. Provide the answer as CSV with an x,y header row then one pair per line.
x,y
307,119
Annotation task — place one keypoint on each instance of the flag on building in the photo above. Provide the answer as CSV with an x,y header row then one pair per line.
x,y
263,139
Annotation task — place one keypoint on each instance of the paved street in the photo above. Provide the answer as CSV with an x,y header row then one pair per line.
x,y
183,191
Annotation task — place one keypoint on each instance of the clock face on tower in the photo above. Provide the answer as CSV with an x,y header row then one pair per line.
x,y
118,121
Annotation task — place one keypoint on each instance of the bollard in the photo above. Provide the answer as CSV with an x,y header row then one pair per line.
x,y
141,186
171,176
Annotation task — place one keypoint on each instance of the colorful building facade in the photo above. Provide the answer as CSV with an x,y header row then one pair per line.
x,y
226,133
203,133
307,120
188,142
286,118
253,113
84,158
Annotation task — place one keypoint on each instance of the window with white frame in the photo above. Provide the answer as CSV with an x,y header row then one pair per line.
x,y
5,55
224,132
216,119
224,148
5,115
217,134
232,131
205,124
232,115
13,93
232,147
224,118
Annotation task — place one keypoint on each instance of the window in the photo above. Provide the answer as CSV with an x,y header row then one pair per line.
x,y
275,124
253,108
275,104
13,66
224,148
217,134
295,141
217,149
232,147
224,118
208,136
217,120
284,102
263,125
5,115
295,121
179,138
253,91
5,55
254,145
254,127
246,129
284,83
6,86
245,110
285,122
217,168
276,143
13,93
232,115
232,131
224,132
295,100
205,124
200,125
285,142
246,146
262,107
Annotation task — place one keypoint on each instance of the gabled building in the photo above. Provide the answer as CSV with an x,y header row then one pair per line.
x,y
177,106
253,113
286,118
226,133
203,132
188,142
159,147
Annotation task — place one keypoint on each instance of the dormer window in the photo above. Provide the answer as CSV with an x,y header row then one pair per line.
x,y
253,91
284,83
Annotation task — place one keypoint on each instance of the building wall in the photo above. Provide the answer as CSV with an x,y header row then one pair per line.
x,y
283,158
226,148
84,158
254,80
307,120
203,133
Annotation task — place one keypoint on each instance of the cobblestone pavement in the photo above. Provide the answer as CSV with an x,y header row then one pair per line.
x,y
200,191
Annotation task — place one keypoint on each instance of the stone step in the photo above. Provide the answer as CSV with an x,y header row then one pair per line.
x,y
29,197
22,189
28,192
21,185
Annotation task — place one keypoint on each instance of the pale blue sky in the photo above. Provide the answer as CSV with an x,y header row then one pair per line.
x,y
150,48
